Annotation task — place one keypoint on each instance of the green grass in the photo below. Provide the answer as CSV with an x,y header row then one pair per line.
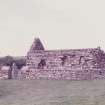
x,y
52,92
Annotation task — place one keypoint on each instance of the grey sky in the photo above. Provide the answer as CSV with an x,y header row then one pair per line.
x,y
60,24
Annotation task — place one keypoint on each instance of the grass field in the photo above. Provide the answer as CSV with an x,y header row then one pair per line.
x,y
52,92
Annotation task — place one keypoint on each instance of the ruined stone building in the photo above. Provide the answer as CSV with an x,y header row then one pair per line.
x,y
71,64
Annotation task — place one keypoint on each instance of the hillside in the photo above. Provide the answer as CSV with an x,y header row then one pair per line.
x,y
52,92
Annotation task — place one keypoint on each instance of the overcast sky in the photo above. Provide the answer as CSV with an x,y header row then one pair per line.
x,y
60,24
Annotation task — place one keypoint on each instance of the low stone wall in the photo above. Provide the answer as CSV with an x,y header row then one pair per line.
x,y
64,75
4,74
56,74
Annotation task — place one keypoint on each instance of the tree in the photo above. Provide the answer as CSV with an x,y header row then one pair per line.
x,y
8,60
20,63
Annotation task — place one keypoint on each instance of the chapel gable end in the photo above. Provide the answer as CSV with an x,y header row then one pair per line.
x,y
37,45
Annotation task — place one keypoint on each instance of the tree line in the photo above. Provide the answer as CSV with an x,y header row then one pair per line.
x,y
9,60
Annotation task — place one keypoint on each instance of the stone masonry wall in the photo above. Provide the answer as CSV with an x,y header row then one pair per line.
x,y
64,59
78,64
